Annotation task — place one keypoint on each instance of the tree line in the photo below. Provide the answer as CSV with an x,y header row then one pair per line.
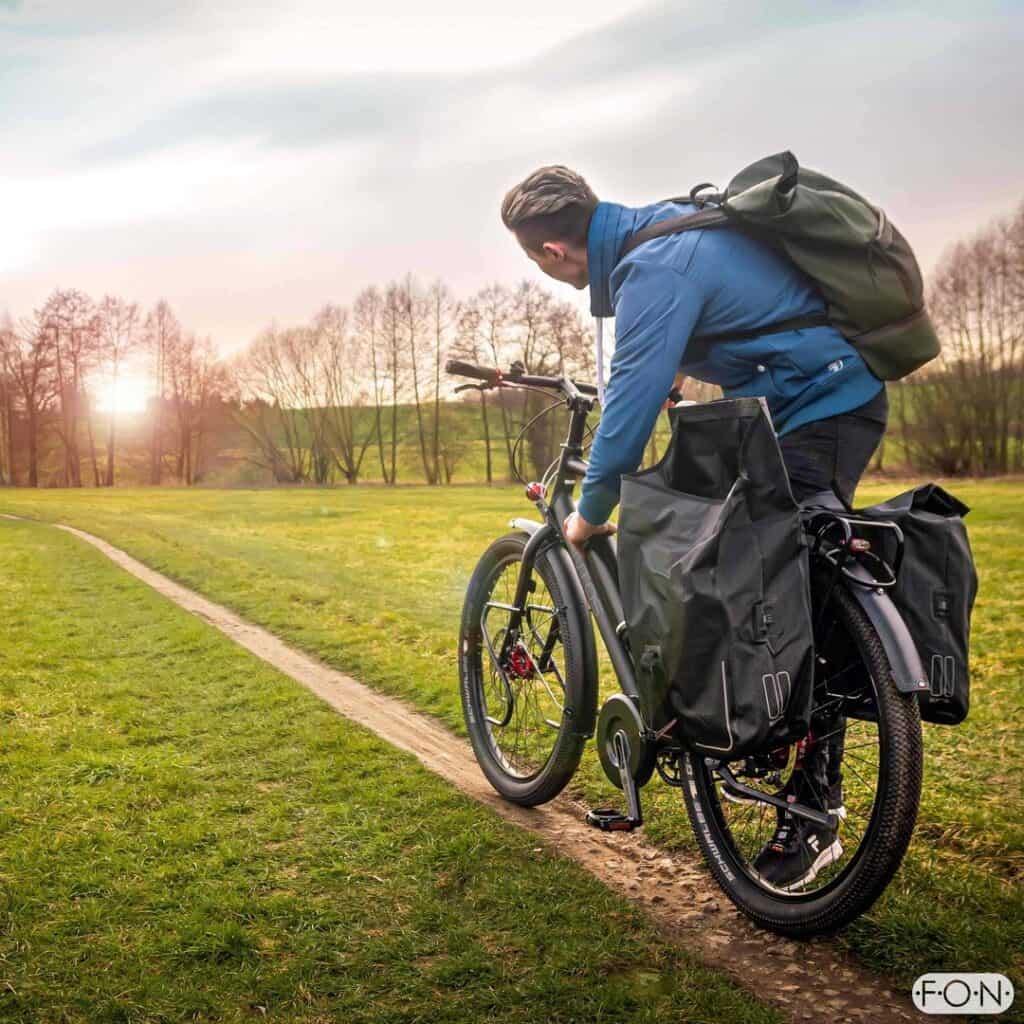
x,y
358,387
964,414
53,362
359,391
322,401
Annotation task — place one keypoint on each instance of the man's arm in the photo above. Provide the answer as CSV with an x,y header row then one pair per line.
x,y
655,313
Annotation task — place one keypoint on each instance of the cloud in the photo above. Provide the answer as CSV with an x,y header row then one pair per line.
x,y
254,159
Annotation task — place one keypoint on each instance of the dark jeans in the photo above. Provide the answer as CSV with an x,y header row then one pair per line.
x,y
830,455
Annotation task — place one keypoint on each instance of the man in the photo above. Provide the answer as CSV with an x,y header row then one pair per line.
x,y
670,297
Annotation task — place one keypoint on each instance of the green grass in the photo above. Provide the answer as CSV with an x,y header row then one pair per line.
x,y
372,580
186,835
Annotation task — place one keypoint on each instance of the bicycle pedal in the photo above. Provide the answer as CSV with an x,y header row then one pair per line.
x,y
607,819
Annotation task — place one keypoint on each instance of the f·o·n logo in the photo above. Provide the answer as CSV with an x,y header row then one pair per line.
x,y
963,993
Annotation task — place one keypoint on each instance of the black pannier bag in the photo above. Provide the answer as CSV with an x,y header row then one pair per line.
x,y
713,569
936,585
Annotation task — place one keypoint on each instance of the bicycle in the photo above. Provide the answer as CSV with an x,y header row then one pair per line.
x,y
528,671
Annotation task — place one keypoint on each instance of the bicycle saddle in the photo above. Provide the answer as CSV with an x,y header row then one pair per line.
x,y
824,499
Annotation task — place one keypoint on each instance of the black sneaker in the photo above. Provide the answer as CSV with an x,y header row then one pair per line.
x,y
797,852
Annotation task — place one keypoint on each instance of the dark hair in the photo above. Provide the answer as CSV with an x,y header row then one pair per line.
x,y
552,204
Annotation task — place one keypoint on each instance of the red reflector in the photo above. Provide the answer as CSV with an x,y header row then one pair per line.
x,y
534,491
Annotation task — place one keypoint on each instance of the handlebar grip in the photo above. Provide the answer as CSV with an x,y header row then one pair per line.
x,y
462,369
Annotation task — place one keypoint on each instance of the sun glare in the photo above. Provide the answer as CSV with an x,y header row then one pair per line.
x,y
129,394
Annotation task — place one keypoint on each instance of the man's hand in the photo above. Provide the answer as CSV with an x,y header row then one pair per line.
x,y
577,530
679,383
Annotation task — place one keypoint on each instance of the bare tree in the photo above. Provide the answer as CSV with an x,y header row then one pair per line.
x,y
193,378
392,340
72,329
444,314
120,332
341,354
31,365
963,413
469,346
271,412
414,315
368,319
162,332
494,305
8,400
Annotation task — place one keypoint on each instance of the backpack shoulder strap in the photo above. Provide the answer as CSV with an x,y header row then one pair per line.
x,y
709,218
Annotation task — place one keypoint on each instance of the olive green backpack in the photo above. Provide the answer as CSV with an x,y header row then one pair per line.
x,y
863,267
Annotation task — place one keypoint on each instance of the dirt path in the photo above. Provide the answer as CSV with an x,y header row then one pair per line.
x,y
807,981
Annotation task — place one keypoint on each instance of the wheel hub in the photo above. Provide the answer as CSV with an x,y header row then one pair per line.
x,y
520,664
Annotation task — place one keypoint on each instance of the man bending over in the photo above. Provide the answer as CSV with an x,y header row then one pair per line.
x,y
829,410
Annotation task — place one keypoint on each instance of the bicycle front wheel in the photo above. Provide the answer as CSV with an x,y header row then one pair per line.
x,y
526,695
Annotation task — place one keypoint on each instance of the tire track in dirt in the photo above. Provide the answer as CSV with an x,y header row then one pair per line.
x,y
804,980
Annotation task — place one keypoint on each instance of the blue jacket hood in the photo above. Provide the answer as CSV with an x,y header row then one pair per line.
x,y
610,225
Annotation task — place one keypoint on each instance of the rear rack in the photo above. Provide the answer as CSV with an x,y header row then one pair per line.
x,y
836,539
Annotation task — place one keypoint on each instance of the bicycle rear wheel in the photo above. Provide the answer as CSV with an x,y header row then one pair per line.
x,y
525,696
856,698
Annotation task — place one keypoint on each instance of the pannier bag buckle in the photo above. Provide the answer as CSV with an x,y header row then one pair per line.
x,y
764,620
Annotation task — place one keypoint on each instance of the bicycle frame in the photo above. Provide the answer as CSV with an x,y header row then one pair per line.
x,y
596,564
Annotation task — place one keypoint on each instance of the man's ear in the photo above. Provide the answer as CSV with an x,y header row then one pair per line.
x,y
556,250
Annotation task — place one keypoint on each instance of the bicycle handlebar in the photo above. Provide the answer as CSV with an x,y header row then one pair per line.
x,y
469,370
495,377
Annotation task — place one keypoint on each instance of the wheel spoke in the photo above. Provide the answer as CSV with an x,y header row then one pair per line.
x,y
523,697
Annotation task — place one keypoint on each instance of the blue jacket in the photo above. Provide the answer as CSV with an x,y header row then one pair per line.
x,y
695,283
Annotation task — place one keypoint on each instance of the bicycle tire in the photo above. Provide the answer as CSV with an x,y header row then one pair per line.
x,y
888,834
579,654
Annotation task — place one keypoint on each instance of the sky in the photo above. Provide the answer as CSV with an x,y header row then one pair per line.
x,y
251,160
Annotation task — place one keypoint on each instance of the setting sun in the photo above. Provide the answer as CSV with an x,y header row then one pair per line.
x,y
127,394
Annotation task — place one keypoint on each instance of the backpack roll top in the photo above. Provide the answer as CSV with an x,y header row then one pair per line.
x,y
713,574
936,586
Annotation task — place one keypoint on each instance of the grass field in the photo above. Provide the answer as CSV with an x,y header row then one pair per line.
x,y
189,836
372,580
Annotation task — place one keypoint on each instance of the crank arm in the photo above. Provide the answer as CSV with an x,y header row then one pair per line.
x,y
822,818
609,820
